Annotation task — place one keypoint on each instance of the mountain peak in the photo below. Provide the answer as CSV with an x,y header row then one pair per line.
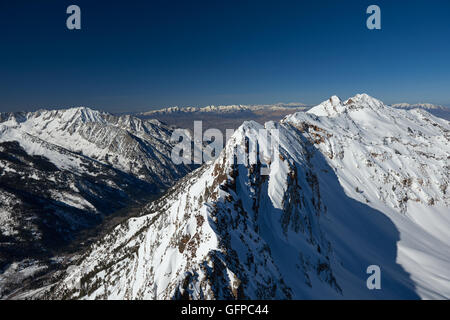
x,y
364,99
334,100
84,114
334,105
70,116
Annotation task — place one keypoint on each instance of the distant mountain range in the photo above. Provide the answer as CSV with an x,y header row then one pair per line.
x,y
437,110
356,183
427,106
222,117
227,109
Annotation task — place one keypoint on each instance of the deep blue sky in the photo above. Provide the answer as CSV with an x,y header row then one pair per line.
x,y
137,55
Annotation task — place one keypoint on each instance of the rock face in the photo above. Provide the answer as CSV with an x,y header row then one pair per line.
x,y
356,183
63,171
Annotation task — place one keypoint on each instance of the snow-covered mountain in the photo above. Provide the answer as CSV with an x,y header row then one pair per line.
x,y
63,171
139,147
356,183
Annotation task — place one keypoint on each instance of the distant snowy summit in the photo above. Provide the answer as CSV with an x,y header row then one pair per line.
x,y
334,106
228,109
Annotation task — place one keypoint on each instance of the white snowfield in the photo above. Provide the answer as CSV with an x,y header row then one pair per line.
x,y
356,183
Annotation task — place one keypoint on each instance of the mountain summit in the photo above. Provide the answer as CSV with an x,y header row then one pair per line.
x,y
334,105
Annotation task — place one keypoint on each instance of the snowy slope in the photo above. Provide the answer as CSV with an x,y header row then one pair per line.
x,y
356,183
